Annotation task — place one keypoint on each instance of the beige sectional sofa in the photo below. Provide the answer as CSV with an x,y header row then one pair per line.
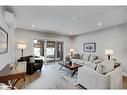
x,y
98,73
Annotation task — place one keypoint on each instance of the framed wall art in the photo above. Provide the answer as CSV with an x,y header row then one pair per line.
x,y
90,47
3,41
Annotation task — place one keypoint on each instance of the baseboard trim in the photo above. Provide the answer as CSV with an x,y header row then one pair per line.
x,y
124,74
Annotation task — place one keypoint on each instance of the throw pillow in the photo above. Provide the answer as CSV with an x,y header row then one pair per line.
x,y
92,58
105,67
76,56
86,57
89,65
98,60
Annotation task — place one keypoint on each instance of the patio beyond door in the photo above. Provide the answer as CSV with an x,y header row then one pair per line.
x,y
50,51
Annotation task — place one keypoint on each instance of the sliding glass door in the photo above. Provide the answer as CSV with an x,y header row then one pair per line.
x,y
59,51
50,51
39,49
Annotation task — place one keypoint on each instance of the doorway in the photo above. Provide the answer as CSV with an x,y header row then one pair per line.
x,y
49,50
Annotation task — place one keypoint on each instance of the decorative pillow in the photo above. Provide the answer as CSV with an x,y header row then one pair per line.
x,y
86,57
81,62
90,65
92,57
76,56
98,60
105,67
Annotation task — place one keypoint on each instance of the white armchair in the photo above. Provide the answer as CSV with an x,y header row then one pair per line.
x,y
91,79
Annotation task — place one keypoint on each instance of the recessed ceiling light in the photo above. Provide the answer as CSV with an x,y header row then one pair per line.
x,y
78,18
71,33
33,25
99,24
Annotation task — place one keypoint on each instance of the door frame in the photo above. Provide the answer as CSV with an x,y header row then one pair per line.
x,y
49,39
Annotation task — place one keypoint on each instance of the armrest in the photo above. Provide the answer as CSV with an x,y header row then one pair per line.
x,y
91,72
91,79
30,64
115,77
39,61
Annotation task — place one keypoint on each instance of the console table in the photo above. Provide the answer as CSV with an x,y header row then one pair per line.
x,y
13,75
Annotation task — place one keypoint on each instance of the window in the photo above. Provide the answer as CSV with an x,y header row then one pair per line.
x,y
37,51
50,51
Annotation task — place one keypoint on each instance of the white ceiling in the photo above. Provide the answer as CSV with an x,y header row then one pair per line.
x,y
67,20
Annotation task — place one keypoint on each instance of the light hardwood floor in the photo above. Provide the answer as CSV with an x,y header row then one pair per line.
x,y
51,78
124,82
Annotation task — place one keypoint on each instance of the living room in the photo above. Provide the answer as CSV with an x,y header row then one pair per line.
x,y
71,33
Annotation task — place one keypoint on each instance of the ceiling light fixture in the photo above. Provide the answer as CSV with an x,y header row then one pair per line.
x,y
33,25
71,33
78,18
99,24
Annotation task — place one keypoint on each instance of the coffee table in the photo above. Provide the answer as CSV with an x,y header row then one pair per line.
x,y
12,75
74,67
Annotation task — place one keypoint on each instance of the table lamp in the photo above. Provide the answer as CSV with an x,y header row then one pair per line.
x,y
109,52
71,51
22,46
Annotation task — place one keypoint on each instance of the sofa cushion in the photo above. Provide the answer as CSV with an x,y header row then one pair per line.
x,y
74,60
105,67
89,64
78,61
86,57
92,58
98,60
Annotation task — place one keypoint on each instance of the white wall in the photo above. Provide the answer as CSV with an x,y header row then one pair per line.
x,y
8,57
28,35
114,38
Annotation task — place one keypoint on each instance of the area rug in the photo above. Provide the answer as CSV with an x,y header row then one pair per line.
x,y
66,74
71,80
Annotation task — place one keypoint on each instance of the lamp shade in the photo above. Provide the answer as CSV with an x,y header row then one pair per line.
x,y
108,51
22,46
71,50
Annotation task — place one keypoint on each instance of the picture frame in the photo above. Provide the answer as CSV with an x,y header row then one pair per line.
x,y
90,47
3,41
